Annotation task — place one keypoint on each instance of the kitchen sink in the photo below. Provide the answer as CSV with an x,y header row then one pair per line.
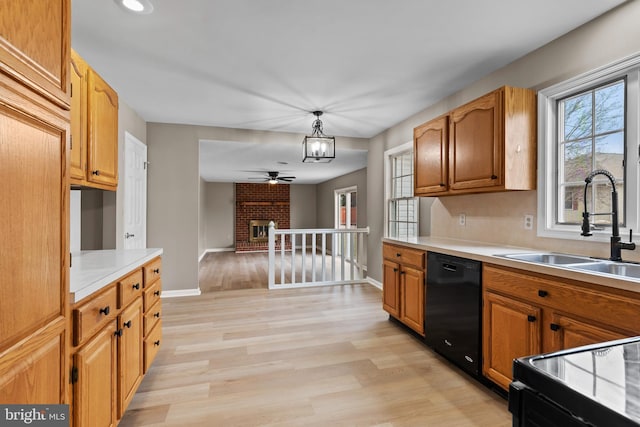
x,y
610,267
549,258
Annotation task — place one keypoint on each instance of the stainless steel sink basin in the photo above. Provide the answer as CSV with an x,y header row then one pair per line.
x,y
549,258
610,267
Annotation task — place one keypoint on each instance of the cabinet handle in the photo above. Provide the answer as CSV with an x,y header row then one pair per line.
x,y
542,293
127,324
156,293
156,270
118,333
531,318
156,314
96,172
554,326
156,343
105,310
136,286
494,177
403,272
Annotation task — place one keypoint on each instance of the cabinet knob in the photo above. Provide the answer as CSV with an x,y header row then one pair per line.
x,y
105,310
442,184
395,270
118,333
531,318
156,293
542,293
156,343
95,172
403,272
136,286
156,270
156,314
494,177
398,254
554,326
127,324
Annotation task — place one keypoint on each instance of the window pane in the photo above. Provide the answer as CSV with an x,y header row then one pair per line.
x,y
602,193
407,186
392,210
577,160
397,187
610,154
610,108
572,197
577,116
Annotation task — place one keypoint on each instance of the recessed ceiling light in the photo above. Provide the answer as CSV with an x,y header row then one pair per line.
x,y
137,6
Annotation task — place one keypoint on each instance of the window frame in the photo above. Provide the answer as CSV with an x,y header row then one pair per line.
x,y
628,67
389,155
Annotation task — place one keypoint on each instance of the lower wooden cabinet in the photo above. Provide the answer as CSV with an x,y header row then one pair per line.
x,y
117,334
527,313
403,287
94,402
129,353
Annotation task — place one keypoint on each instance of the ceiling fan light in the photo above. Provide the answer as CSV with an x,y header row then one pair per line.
x,y
273,181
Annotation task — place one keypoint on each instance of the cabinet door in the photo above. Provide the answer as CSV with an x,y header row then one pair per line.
x,y
34,45
391,288
130,357
78,157
94,393
430,157
412,286
511,329
568,332
102,167
476,144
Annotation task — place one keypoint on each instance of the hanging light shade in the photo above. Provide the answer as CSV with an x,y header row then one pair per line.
x,y
318,147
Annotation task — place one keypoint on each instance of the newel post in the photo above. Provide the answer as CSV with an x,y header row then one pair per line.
x,y
272,254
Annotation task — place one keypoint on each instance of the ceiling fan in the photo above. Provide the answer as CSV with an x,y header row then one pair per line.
x,y
273,177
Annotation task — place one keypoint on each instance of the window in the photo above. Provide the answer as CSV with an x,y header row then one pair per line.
x,y
588,123
402,207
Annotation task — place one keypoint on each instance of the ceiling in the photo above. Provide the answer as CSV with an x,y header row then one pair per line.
x,y
266,64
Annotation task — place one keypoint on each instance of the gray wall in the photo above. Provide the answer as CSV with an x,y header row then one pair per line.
x,y
303,206
219,211
326,195
604,40
202,215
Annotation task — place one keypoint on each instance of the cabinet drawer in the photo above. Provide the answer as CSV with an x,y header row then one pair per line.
x,y
151,317
92,315
152,345
152,294
402,255
129,288
568,296
152,271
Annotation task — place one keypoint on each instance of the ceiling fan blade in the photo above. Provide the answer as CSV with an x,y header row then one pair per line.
x,y
285,179
288,177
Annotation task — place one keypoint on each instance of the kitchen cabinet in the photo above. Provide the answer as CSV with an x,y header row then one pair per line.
x,y
430,147
490,146
404,285
94,119
527,313
116,335
34,136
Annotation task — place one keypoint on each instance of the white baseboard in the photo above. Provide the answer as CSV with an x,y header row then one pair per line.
x,y
206,251
180,293
374,282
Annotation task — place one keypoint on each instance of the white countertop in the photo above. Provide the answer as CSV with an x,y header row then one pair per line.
x,y
92,270
487,252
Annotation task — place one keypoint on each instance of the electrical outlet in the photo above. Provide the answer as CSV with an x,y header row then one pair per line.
x,y
462,219
528,222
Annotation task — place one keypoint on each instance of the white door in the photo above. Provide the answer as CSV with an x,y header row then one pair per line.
x,y
135,193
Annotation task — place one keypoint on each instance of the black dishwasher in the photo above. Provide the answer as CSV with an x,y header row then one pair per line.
x,y
453,309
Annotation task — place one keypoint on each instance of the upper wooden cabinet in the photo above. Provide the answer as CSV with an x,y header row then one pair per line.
x,y
490,146
34,46
430,145
94,127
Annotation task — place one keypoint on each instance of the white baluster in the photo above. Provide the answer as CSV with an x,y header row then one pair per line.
x,y
272,255
303,250
314,255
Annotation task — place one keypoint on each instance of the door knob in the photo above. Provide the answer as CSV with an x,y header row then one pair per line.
x,y
127,235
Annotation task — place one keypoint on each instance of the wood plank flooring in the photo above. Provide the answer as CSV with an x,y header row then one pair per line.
x,y
325,356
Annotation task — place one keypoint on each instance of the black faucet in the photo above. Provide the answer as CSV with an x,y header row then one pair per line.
x,y
616,244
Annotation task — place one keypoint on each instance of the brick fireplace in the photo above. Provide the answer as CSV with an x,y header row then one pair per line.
x,y
259,202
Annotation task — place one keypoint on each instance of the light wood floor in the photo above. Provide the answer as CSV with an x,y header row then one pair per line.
x,y
324,356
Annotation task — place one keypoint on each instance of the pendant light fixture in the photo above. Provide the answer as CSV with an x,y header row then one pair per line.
x,y
318,147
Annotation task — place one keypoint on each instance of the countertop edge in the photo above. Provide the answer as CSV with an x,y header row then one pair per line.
x,y
84,290
488,253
